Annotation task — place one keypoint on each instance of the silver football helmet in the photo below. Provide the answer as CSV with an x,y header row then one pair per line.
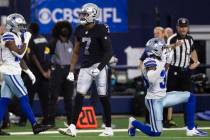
x,y
89,13
15,23
155,47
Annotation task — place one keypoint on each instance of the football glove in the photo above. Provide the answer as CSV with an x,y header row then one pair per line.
x,y
27,37
30,75
70,76
94,72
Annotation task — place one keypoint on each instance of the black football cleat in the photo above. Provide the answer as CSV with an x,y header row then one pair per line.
x,y
37,128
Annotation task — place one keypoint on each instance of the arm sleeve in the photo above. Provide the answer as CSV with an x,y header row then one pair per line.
x,y
106,45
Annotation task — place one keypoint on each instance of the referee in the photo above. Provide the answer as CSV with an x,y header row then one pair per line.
x,y
184,58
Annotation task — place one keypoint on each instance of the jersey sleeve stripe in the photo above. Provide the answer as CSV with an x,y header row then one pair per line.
x,y
151,61
7,35
8,39
150,65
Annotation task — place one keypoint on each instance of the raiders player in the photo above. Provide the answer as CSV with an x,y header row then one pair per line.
x,y
97,50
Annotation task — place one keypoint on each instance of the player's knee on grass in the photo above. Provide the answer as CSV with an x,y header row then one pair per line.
x,y
146,129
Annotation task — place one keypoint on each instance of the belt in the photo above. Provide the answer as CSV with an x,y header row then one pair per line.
x,y
62,66
179,68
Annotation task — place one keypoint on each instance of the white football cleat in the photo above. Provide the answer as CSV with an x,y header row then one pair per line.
x,y
196,132
70,131
107,132
131,129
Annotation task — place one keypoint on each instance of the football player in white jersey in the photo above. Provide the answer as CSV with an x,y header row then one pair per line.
x,y
154,72
14,45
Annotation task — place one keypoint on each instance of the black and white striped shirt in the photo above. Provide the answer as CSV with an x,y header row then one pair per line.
x,y
182,54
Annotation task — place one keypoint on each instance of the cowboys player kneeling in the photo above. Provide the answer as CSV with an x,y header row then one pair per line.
x,y
154,73
97,50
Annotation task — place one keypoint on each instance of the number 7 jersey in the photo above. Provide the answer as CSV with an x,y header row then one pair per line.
x,y
94,43
155,80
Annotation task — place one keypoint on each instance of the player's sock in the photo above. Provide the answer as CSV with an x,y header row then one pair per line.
x,y
145,128
77,108
26,108
3,106
107,110
190,111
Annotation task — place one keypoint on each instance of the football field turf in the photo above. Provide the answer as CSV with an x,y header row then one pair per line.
x,y
24,133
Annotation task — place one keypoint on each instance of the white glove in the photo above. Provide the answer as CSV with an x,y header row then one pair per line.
x,y
113,60
31,75
70,76
94,72
27,37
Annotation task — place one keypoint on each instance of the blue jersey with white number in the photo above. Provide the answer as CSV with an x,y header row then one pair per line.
x,y
155,79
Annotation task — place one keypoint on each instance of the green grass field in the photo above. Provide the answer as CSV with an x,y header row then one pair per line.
x,y
120,122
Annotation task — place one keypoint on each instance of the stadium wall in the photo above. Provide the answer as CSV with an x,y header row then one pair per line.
x,y
143,15
127,105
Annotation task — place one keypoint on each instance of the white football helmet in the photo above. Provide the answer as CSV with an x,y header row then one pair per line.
x,y
15,23
155,47
89,13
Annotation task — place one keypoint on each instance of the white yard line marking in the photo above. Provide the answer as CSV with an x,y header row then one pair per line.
x,y
100,130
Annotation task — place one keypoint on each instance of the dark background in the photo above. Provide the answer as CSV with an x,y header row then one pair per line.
x,y
143,15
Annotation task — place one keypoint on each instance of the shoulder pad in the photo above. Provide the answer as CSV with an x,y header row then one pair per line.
x,y
8,36
149,62
104,28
